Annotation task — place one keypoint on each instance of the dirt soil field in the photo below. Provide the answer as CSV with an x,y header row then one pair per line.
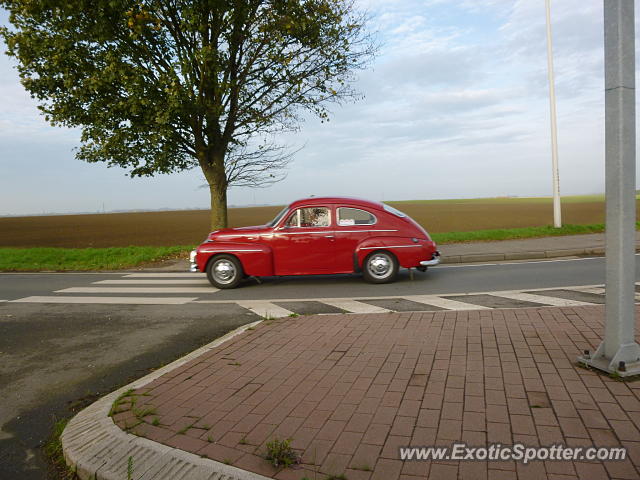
x,y
191,226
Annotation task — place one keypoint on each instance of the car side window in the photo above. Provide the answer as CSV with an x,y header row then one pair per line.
x,y
354,216
292,221
309,217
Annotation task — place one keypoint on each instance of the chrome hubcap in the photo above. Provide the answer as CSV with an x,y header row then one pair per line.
x,y
379,265
224,271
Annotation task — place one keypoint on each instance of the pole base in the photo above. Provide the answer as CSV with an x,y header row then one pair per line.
x,y
625,363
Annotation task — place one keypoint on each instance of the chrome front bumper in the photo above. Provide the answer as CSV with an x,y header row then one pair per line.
x,y
192,261
434,261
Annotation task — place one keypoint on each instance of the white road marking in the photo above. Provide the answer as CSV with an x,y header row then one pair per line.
x,y
596,290
158,290
153,282
528,297
265,309
44,272
165,275
354,306
122,300
445,302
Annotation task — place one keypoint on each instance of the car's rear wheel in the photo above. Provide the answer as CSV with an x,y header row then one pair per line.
x,y
380,267
224,271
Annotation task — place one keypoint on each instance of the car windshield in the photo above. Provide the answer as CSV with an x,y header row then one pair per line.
x,y
273,222
393,210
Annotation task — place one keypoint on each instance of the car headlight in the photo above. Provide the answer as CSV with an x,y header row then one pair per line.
x,y
192,256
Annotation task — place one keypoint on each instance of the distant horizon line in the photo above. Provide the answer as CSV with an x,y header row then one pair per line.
x,y
252,205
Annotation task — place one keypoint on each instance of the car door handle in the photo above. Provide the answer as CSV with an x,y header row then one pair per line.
x,y
329,236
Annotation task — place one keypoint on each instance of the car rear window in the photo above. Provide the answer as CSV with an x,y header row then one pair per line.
x,y
354,216
396,212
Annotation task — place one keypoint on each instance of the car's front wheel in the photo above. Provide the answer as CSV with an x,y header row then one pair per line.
x,y
224,271
380,267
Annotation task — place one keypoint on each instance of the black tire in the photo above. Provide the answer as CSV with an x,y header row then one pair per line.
x,y
224,271
380,267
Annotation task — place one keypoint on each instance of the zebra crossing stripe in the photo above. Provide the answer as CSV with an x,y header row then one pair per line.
x,y
155,282
353,306
445,303
165,275
552,301
596,290
157,290
108,300
265,309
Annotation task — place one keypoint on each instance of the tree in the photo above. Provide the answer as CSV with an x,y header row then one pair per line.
x,y
159,86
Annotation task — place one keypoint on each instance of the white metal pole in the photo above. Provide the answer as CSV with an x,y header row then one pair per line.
x,y
557,215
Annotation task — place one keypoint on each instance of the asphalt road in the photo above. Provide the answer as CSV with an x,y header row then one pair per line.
x,y
443,279
52,356
55,355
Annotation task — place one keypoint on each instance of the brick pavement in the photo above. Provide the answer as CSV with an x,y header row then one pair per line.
x,y
350,389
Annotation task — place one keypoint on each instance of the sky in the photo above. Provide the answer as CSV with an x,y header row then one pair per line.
x,y
455,105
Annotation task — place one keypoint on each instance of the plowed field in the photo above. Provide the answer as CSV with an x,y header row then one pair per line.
x,y
191,226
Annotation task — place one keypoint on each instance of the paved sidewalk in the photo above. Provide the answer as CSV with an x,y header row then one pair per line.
x,y
350,390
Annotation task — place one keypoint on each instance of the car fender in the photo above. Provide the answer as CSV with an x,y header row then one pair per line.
x,y
256,259
408,253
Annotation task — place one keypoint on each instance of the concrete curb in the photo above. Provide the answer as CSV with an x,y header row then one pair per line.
x,y
534,255
96,448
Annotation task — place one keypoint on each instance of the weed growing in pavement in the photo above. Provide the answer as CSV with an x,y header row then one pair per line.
x,y
122,398
155,422
209,439
336,477
186,428
294,315
227,461
129,468
364,468
53,450
613,375
140,413
243,441
129,427
280,453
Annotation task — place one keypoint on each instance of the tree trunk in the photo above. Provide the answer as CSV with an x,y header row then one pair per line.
x,y
218,206
213,169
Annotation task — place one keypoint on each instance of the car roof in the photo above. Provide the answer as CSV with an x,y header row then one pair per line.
x,y
352,201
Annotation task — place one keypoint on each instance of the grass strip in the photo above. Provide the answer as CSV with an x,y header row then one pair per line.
x,y
38,259
517,233
49,258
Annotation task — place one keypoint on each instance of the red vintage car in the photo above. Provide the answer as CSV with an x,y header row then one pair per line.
x,y
318,235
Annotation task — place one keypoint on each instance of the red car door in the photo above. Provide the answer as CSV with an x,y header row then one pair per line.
x,y
304,244
353,225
